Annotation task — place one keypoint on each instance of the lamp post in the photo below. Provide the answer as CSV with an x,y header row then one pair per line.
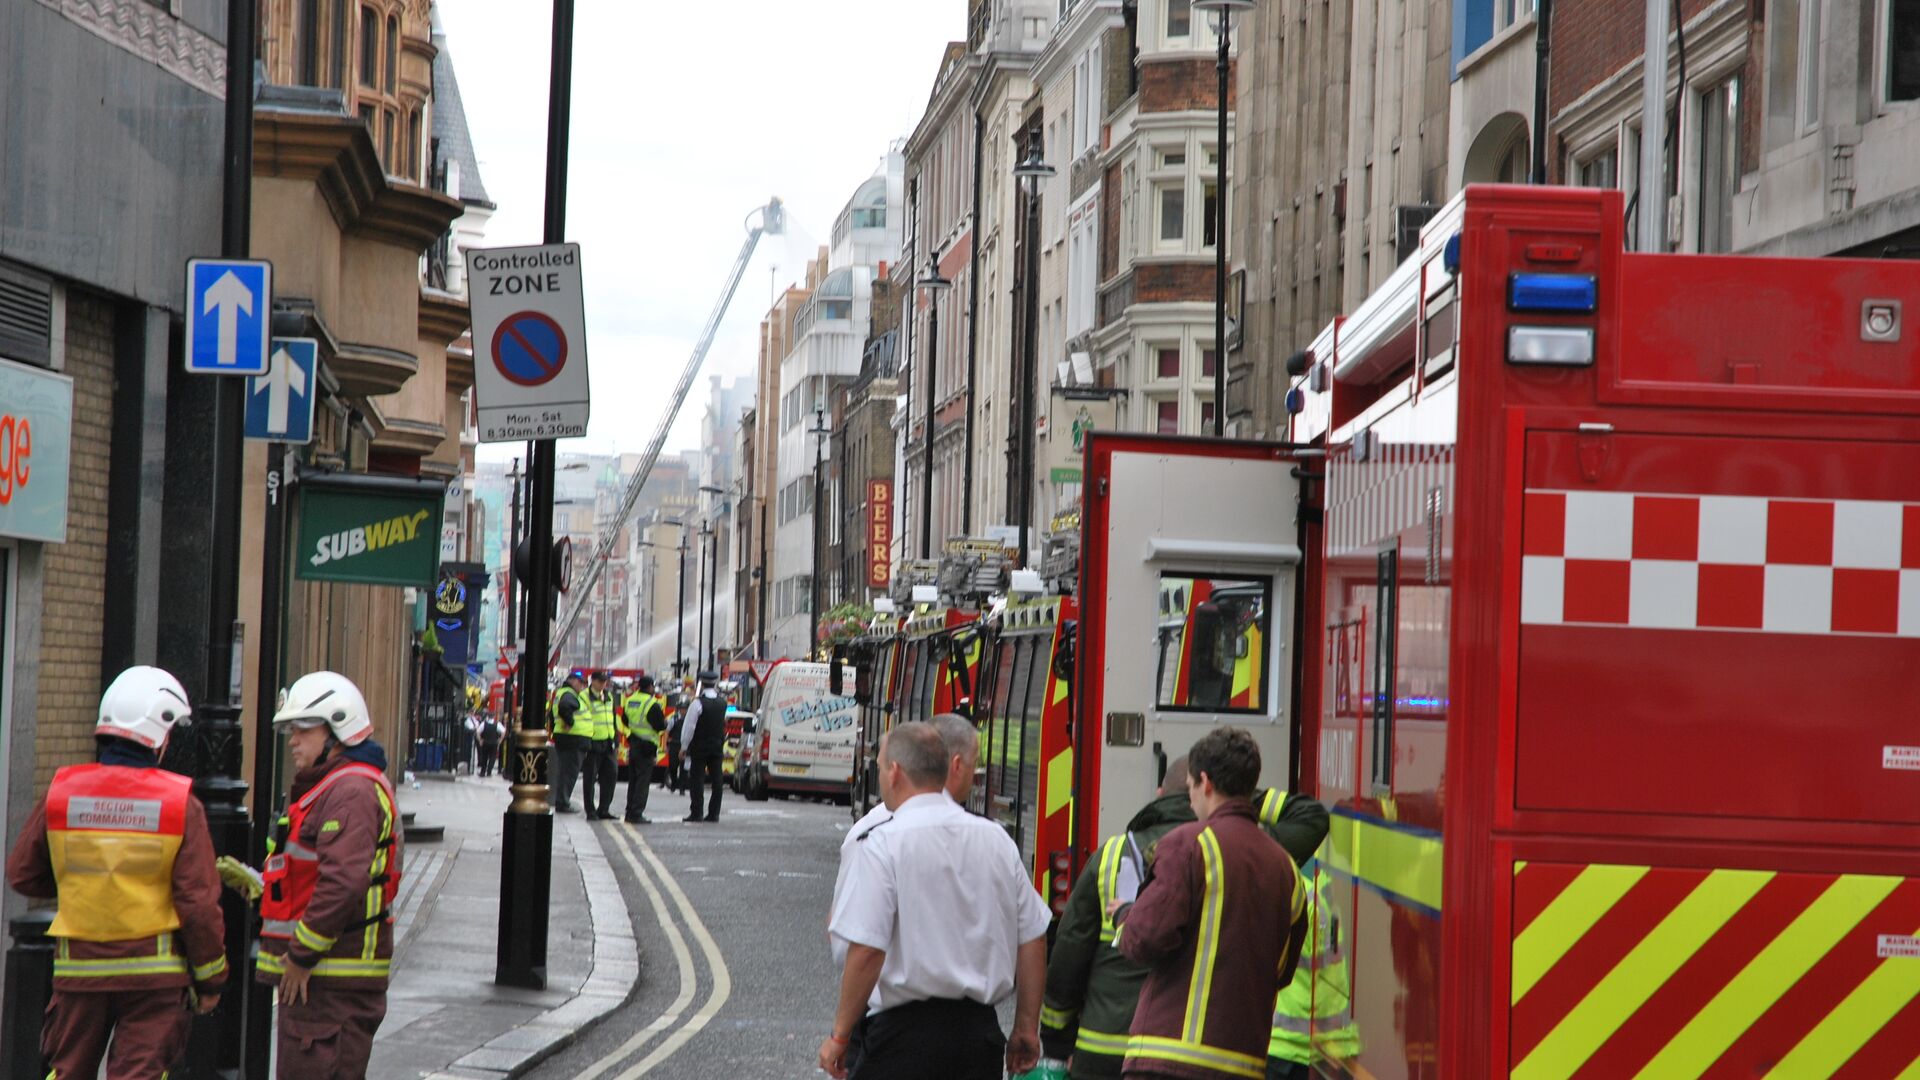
x,y
1029,173
1223,12
680,621
933,285
820,431
712,651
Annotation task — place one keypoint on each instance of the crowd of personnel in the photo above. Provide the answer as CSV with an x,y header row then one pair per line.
x,y
1187,949
602,735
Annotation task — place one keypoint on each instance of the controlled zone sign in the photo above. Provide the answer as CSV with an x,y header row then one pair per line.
x,y
529,342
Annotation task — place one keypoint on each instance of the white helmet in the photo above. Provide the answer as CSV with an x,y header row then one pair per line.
x,y
143,704
324,698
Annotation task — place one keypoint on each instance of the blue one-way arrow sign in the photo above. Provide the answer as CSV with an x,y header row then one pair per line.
x,y
280,403
229,314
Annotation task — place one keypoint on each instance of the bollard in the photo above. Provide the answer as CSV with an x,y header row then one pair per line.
x,y
29,988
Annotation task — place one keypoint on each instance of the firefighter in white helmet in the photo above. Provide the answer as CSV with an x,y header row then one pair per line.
x,y
327,934
123,846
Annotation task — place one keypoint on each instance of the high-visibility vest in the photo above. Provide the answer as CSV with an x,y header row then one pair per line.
x,y
600,707
1313,1015
1123,869
638,705
582,715
292,873
113,833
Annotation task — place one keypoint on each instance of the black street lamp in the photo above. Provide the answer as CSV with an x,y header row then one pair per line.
x,y
820,432
1223,12
712,651
680,623
932,284
1029,173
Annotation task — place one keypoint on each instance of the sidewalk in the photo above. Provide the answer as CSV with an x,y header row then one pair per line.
x,y
445,1016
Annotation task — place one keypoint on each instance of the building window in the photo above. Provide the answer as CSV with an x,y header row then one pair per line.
x,y
1719,164
1179,18
369,48
370,116
413,146
309,42
1206,417
1171,205
393,54
1600,170
1172,159
1208,358
870,218
1209,230
1903,50
339,54
1168,362
386,141
1167,417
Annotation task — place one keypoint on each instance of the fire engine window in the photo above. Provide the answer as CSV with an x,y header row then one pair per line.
x,y
1211,643
1385,649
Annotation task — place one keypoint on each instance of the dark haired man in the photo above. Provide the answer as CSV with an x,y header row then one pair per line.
x,y
1217,946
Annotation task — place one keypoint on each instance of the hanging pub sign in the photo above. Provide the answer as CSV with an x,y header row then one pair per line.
x,y
369,537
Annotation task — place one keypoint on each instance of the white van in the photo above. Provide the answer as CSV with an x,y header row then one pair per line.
x,y
802,739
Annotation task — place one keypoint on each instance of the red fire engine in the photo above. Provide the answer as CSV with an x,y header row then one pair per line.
x,y
1621,596
926,666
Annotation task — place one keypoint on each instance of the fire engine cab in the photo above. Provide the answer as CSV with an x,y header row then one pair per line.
x,y
1620,645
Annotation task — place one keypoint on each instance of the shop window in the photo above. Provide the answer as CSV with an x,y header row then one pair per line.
x,y
1211,642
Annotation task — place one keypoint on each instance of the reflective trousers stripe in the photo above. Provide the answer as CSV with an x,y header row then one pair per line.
x,y
1233,1063
1302,1025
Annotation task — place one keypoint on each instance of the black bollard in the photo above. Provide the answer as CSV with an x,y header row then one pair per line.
x,y
29,988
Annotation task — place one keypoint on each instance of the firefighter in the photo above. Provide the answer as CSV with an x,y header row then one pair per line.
x,y
124,847
645,719
1092,989
572,725
326,933
597,774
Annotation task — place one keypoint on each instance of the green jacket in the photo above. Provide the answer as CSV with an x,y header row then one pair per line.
x,y
1091,988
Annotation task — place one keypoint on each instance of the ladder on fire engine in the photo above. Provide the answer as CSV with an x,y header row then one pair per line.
x,y
773,222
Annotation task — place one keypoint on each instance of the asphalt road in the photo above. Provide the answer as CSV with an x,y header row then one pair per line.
x,y
744,988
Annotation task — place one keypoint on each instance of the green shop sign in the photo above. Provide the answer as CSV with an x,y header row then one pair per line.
x,y
369,537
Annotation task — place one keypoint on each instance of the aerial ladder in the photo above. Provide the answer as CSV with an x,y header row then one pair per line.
x,y
773,221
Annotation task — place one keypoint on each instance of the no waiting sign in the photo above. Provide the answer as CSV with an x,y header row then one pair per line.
x,y
529,342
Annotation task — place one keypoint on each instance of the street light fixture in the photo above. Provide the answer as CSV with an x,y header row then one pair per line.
x,y
1222,12
933,284
1029,173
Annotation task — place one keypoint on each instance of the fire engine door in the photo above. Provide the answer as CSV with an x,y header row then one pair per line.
x,y
1195,605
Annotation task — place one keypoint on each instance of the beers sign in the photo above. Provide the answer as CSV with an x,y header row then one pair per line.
x,y
879,533
369,538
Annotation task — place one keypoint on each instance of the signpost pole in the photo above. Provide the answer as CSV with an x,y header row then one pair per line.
x,y
526,863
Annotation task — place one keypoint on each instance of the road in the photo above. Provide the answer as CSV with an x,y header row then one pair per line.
x,y
743,988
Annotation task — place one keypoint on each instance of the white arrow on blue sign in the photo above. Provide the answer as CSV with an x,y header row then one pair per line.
x,y
280,403
229,316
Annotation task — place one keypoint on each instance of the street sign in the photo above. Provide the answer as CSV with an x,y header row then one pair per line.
x,y
530,342
280,403
229,316
761,669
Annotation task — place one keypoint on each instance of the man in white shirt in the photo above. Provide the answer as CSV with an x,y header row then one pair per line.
x,y
941,923
963,753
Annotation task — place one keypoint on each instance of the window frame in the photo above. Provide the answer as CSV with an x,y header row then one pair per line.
x,y
1883,61
369,74
1263,661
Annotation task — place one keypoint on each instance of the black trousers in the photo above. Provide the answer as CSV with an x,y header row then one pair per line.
x,y
1288,1070
569,752
932,1040
702,770
640,757
597,778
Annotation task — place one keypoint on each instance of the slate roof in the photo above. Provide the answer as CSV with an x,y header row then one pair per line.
x,y
450,122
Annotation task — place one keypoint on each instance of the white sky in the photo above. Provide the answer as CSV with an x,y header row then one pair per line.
x,y
686,117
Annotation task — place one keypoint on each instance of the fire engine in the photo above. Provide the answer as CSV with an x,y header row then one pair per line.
x,y
1617,651
912,668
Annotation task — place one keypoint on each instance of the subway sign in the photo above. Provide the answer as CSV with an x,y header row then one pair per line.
x,y
369,537
36,437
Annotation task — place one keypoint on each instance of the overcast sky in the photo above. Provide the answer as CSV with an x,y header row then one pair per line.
x,y
686,117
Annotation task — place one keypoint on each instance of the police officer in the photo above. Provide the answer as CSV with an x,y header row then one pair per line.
x,y
644,718
598,773
124,847
572,735
1317,1006
326,934
704,729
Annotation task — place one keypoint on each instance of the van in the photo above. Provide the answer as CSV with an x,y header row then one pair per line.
x,y
801,742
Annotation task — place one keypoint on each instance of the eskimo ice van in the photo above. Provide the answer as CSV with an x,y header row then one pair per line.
x,y
802,739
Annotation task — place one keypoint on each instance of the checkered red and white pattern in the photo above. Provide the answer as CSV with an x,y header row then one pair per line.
x,y
1715,562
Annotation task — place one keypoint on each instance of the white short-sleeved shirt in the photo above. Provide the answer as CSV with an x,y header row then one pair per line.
x,y
943,893
873,819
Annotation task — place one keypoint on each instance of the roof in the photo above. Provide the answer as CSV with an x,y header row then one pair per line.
x,y
450,123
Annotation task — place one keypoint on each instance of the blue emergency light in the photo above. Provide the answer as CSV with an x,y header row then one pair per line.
x,y
1553,294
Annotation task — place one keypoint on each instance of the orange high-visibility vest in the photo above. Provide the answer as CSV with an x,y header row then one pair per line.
x,y
113,833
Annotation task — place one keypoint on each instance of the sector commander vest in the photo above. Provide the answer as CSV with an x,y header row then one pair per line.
x,y
113,833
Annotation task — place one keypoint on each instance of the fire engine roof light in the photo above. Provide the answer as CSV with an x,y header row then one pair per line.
x,y
1450,255
1568,294
1557,346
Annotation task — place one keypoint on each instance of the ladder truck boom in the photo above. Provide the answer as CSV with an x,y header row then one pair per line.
x,y
772,221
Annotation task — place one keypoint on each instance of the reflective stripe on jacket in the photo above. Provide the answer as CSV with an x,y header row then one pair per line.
x,y
356,944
